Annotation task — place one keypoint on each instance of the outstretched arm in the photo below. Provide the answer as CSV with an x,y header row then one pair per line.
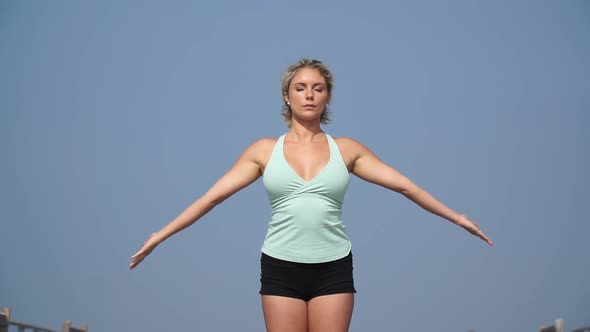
x,y
370,168
245,171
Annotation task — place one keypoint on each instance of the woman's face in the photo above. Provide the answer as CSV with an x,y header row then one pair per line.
x,y
308,94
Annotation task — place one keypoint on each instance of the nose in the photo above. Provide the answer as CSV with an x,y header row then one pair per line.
x,y
309,94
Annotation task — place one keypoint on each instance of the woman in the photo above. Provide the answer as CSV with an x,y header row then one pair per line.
x,y
306,264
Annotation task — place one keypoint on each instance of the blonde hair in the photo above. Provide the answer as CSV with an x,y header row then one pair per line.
x,y
288,76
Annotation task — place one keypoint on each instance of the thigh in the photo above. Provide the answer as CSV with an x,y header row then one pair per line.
x,y
284,314
330,313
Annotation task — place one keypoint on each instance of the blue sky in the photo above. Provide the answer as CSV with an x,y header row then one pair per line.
x,y
117,115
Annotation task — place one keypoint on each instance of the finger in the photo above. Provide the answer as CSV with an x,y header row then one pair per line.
x,y
485,238
135,263
143,251
136,257
137,254
474,230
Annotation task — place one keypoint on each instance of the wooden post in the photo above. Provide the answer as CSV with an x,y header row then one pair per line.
x,y
67,327
4,319
557,327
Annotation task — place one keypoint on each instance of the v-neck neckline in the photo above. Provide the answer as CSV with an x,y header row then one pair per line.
x,y
293,169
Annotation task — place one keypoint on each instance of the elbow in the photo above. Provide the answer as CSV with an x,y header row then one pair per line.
x,y
213,197
212,202
411,193
406,193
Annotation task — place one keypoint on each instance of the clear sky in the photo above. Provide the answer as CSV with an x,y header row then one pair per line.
x,y
115,115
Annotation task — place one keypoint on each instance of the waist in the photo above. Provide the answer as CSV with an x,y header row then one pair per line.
x,y
311,240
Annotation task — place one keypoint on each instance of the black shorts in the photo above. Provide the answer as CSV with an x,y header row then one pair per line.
x,y
305,281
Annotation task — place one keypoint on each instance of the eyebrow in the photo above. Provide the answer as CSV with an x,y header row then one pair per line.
x,y
315,84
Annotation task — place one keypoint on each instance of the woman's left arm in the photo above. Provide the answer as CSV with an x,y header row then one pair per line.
x,y
365,165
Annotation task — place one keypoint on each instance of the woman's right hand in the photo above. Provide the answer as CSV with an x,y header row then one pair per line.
x,y
245,171
145,250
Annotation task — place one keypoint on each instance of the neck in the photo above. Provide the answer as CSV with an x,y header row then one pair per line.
x,y
305,132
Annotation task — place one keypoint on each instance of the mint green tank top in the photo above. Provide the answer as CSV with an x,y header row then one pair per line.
x,y
306,224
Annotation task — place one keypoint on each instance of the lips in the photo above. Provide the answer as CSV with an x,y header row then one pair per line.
x,y
309,106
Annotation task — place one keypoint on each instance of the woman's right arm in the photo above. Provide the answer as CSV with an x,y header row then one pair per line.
x,y
244,172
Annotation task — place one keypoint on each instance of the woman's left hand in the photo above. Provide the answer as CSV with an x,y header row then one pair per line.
x,y
472,228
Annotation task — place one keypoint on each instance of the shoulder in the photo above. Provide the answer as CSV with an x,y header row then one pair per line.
x,y
352,151
264,143
350,145
260,149
346,140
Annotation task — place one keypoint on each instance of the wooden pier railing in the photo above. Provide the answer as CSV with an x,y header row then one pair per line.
x,y
559,327
6,323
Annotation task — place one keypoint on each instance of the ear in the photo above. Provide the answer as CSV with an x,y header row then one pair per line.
x,y
286,97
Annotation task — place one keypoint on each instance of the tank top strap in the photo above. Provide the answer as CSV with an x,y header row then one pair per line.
x,y
277,150
335,151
